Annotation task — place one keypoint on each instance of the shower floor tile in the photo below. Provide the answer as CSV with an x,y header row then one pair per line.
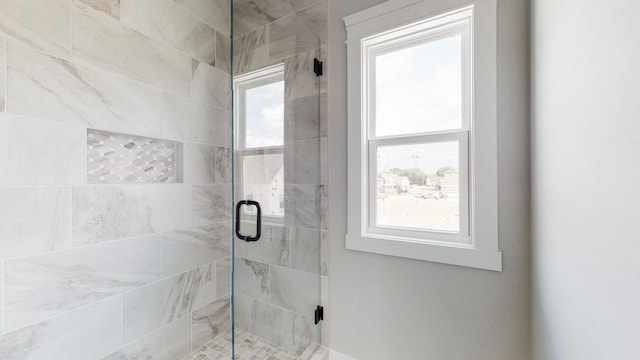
x,y
248,347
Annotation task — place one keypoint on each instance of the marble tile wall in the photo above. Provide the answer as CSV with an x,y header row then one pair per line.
x,y
112,271
281,278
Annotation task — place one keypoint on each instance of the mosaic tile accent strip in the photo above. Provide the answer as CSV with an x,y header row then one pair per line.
x,y
248,347
114,158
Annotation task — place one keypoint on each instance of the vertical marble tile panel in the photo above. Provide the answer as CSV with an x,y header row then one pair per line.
x,y
47,31
252,278
249,15
210,85
185,249
199,164
295,290
109,7
166,21
211,203
306,249
302,205
3,74
102,41
223,277
193,121
42,286
223,52
40,152
86,333
273,247
151,307
302,162
304,117
290,331
170,342
251,51
299,78
210,321
103,213
42,86
223,165
242,311
34,220
216,13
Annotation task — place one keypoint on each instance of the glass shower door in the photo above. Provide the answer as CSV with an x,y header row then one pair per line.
x,y
277,195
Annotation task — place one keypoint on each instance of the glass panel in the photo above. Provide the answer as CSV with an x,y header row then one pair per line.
x,y
418,187
263,181
264,115
419,88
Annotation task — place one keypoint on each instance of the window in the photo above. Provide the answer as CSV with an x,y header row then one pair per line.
x,y
260,140
422,141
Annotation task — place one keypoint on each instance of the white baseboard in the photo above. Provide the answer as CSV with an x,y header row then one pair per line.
x,y
334,355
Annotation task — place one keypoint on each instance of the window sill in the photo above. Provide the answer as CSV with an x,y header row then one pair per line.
x,y
445,254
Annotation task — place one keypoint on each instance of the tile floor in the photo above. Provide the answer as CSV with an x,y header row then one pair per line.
x,y
248,347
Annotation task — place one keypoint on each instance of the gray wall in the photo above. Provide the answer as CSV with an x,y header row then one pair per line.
x,y
585,179
391,308
116,269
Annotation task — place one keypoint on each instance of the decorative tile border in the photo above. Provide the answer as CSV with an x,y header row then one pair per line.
x,y
114,158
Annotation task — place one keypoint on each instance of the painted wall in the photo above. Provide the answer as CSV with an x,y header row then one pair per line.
x,y
586,197
392,308
112,270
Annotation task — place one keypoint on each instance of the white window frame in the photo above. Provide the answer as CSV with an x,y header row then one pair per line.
x,y
477,243
242,83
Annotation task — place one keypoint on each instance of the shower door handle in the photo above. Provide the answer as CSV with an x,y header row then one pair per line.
x,y
239,206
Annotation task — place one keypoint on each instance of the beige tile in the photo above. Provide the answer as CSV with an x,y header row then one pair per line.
x,y
216,13
109,7
211,86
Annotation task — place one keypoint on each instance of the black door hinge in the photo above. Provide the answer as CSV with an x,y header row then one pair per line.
x,y
319,314
317,67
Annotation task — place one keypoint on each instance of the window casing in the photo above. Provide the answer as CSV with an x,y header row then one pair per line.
x,y
374,225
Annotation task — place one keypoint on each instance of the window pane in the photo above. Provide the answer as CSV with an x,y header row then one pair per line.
x,y
419,89
418,187
264,115
263,181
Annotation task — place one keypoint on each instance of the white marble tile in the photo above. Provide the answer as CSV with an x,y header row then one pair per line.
x,y
251,51
242,311
102,41
193,121
211,203
185,249
210,321
40,152
3,73
272,248
248,15
223,52
298,5
223,277
167,22
42,86
302,161
210,85
293,34
289,331
103,213
302,205
306,246
42,286
170,342
86,333
299,78
216,13
295,290
34,220
46,29
304,118
223,165
109,7
199,164
153,306
251,278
